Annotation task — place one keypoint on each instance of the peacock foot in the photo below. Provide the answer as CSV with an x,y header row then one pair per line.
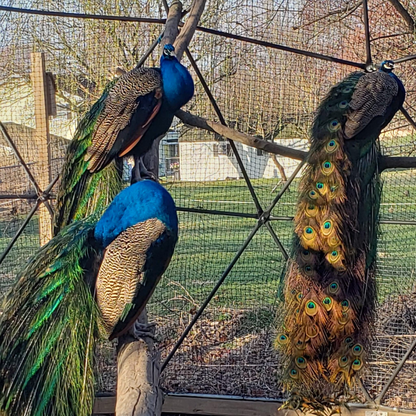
x,y
139,330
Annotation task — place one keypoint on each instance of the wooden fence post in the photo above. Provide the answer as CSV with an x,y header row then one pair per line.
x,y
42,140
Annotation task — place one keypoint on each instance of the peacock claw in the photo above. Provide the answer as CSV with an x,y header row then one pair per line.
x,y
140,331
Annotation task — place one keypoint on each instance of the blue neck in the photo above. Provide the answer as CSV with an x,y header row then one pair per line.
x,y
137,203
178,86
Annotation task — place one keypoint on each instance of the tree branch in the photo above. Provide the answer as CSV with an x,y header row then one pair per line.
x,y
172,22
189,27
212,126
404,13
385,162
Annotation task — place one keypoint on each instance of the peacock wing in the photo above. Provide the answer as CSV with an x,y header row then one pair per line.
x,y
372,97
137,94
132,266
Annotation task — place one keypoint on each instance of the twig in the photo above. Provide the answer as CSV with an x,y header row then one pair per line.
x,y
405,14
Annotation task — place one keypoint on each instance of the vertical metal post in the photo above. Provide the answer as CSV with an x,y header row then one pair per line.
x,y
42,140
369,60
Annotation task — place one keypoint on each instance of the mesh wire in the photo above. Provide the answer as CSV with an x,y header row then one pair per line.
x,y
262,91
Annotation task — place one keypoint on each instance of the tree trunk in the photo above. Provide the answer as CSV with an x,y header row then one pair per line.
x,y
138,365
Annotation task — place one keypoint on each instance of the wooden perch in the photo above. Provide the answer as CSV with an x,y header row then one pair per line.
x,y
385,162
138,365
188,30
172,22
270,147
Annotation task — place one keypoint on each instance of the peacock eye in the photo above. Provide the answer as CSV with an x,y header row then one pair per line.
x,y
327,224
334,253
320,185
327,165
333,288
311,308
301,363
327,301
332,145
357,364
343,104
334,125
309,230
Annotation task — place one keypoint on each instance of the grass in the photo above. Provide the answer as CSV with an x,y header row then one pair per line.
x,y
208,243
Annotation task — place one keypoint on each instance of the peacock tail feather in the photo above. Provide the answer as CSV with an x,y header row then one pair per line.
x,y
81,192
46,348
329,295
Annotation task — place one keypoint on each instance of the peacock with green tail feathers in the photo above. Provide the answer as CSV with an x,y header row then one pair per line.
x,y
91,280
329,286
133,111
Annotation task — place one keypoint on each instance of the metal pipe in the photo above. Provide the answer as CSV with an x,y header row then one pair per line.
x,y
404,59
199,28
277,241
19,231
408,117
18,196
26,168
402,362
284,188
223,122
211,295
367,33
217,212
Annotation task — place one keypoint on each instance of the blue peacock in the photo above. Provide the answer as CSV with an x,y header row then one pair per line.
x,y
329,286
92,279
132,112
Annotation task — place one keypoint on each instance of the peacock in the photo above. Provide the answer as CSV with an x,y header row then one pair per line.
x,y
329,285
91,280
133,110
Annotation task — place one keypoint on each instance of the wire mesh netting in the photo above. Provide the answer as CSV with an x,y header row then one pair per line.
x,y
263,91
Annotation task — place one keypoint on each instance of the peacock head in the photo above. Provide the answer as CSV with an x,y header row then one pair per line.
x,y
387,66
169,51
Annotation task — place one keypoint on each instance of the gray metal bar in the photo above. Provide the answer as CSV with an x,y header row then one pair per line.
x,y
19,231
367,33
29,173
212,294
408,117
277,241
284,188
18,196
383,392
223,122
199,28
217,212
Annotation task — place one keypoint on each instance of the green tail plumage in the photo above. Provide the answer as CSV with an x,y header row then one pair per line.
x,y
329,296
82,193
47,329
